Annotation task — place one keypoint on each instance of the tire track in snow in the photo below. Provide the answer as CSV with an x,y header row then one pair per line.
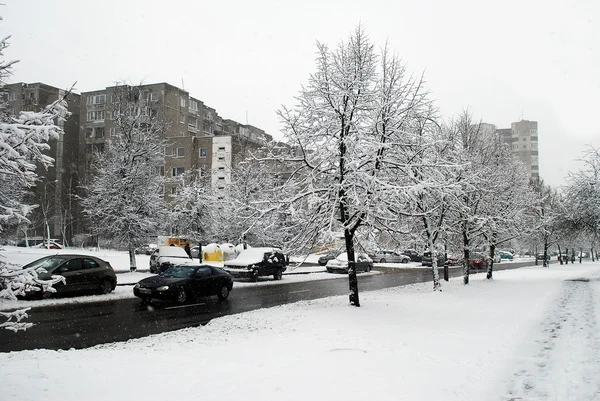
x,y
564,363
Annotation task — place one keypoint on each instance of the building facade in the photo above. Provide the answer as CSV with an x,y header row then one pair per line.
x,y
523,139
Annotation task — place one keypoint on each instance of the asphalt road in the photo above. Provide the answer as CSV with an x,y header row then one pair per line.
x,y
85,325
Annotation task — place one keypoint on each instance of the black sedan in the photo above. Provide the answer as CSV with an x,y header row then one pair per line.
x,y
180,283
82,273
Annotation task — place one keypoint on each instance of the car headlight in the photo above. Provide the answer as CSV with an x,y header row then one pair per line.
x,y
163,288
136,286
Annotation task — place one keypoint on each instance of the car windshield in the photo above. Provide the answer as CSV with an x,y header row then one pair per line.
x,y
47,263
179,272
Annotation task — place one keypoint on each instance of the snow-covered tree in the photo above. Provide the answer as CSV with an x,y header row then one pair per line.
x,y
505,206
193,207
582,195
549,212
125,198
348,126
23,140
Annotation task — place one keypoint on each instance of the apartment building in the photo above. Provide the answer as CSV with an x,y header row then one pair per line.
x,y
523,139
199,140
54,192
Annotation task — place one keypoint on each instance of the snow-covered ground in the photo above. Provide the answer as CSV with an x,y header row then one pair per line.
x,y
530,334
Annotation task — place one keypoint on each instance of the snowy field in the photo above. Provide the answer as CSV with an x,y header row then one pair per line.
x,y
530,334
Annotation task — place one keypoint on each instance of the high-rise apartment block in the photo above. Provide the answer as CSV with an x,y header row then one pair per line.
x,y
523,139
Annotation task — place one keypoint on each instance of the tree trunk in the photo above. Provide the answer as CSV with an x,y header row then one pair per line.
x,y
446,278
572,255
566,256
580,254
437,286
352,279
490,271
559,255
466,256
132,261
536,255
546,264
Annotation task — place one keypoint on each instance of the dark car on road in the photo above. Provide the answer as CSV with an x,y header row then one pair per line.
x,y
184,282
82,273
252,263
327,257
427,261
414,256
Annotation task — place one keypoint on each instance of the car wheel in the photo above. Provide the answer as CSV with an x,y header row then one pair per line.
x,y
181,296
382,260
405,260
105,287
278,275
223,293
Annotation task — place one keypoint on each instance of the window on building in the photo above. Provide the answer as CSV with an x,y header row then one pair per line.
x,y
221,159
192,122
161,171
208,129
89,132
153,112
154,96
99,99
174,191
182,102
112,131
193,105
99,132
97,115
203,153
202,171
12,96
177,171
115,99
180,152
182,119
221,168
221,147
221,178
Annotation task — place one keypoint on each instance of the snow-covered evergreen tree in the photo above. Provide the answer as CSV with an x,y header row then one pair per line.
x,y
125,198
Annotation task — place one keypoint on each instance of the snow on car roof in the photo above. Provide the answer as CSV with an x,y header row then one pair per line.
x,y
252,255
172,251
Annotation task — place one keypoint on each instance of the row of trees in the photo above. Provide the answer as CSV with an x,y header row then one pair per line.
x,y
367,151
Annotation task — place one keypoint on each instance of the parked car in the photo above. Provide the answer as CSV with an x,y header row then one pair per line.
x,y
478,261
257,262
363,263
383,256
165,256
540,256
82,273
506,255
427,261
146,249
455,260
180,283
327,257
413,255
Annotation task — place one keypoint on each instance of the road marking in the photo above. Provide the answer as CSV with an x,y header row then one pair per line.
x,y
296,292
184,306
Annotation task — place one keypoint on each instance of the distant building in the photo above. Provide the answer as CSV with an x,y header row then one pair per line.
x,y
523,139
54,193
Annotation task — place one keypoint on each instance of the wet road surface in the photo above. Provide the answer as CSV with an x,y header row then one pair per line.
x,y
88,324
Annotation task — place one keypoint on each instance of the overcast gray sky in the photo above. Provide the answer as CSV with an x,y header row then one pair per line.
x,y
504,60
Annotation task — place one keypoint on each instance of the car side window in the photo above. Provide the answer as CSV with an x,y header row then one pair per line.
x,y
71,265
90,264
203,272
